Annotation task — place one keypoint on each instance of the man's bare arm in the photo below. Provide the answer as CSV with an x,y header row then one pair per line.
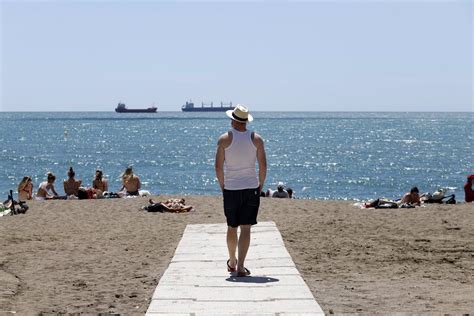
x,y
219,164
262,161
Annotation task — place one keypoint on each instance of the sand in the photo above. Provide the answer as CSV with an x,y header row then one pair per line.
x,y
107,256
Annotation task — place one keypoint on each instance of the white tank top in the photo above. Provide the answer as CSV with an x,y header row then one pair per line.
x,y
239,162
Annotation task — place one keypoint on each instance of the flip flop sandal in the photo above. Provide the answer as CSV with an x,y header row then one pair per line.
x,y
244,273
229,268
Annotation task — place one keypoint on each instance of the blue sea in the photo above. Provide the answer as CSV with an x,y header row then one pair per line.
x,y
320,155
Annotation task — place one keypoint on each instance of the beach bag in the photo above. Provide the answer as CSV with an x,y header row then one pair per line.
x,y
451,199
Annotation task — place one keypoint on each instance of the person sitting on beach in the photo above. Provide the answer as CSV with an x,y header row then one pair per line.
x,y
130,183
290,192
99,183
279,193
46,189
468,191
171,205
25,189
412,197
71,185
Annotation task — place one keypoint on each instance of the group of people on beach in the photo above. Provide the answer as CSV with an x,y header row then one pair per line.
x,y
74,189
414,198
239,152
281,192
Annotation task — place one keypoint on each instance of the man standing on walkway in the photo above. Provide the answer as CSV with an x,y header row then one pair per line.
x,y
238,150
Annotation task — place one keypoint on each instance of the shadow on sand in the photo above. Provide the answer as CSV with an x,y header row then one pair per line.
x,y
252,279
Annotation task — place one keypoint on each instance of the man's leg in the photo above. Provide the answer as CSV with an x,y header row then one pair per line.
x,y
232,244
244,243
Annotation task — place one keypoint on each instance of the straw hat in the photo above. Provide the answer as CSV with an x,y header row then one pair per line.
x,y
240,114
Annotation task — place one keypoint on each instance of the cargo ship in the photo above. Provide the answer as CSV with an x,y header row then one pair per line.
x,y
121,108
209,107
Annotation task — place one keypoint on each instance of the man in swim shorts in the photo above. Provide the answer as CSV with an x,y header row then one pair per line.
x,y
238,150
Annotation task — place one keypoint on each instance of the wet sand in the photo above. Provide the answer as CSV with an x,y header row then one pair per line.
x,y
107,256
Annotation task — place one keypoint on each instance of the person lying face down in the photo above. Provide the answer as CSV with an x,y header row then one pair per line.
x,y
412,197
171,205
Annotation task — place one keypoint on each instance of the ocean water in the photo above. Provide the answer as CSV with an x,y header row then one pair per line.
x,y
321,155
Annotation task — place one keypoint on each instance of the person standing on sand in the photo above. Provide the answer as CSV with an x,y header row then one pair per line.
x,y
468,191
238,150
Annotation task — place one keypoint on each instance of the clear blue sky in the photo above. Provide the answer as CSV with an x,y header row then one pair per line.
x,y
273,56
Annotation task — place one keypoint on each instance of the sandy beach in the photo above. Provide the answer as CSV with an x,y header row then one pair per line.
x,y
107,256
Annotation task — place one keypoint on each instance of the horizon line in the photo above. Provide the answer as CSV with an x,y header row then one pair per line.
x,y
285,111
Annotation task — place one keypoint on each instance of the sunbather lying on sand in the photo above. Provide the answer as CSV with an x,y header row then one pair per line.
x,y
171,205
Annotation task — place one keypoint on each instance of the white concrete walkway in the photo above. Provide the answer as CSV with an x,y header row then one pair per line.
x,y
197,282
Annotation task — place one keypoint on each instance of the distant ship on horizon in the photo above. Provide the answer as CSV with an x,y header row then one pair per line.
x,y
209,107
122,108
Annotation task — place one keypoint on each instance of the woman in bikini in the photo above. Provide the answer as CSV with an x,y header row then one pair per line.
x,y
25,189
71,185
130,182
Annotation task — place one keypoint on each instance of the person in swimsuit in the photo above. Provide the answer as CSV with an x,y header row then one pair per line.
x,y
71,185
130,182
170,205
279,193
99,183
46,189
413,197
25,189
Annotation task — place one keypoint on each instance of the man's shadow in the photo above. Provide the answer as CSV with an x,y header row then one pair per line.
x,y
251,279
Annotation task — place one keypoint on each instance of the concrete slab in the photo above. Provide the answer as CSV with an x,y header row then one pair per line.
x,y
197,282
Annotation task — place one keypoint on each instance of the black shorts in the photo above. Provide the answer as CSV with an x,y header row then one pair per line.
x,y
241,206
